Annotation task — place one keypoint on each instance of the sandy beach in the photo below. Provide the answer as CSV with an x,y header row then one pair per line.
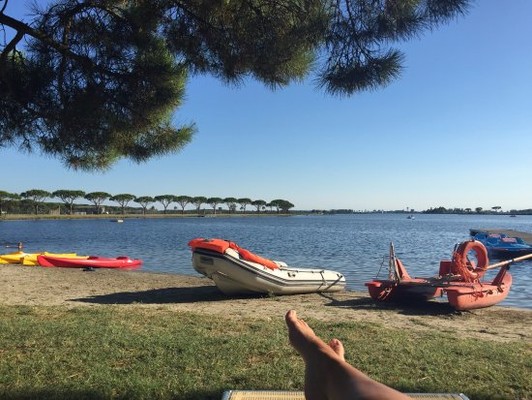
x,y
32,286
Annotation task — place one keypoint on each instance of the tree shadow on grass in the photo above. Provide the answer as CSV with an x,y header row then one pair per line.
x,y
431,308
58,393
163,296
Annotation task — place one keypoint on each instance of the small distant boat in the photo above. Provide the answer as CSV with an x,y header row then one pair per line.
x,y
503,246
410,217
117,220
235,270
121,262
459,279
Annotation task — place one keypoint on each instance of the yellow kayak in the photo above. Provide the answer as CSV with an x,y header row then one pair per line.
x,y
21,257
12,258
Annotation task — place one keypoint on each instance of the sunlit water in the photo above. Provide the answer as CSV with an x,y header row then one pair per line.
x,y
352,244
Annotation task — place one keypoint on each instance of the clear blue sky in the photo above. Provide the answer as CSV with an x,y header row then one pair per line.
x,y
455,130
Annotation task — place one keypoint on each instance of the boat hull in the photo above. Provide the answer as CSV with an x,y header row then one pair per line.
x,y
89,262
459,279
478,295
507,253
29,259
501,246
460,295
235,276
12,258
409,291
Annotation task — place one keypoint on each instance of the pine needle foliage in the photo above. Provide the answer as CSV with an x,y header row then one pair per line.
x,y
91,82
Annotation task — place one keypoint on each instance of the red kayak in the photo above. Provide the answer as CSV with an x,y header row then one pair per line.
x,y
122,262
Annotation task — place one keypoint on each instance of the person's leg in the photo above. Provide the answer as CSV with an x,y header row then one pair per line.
x,y
327,374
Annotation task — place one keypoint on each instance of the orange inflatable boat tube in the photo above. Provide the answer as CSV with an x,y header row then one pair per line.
x,y
221,245
217,245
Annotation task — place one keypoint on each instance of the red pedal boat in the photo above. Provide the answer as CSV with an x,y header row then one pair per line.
x,y
459,278
122,262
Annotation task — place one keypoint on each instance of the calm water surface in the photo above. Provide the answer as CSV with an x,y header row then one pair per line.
x,y
352,244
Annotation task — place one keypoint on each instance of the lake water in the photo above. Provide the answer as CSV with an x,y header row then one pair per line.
x,y
352,244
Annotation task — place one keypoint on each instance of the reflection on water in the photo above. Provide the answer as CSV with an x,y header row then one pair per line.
x,y
352,244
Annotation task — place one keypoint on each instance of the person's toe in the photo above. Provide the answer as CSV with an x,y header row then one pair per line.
x,y
338,347
291,316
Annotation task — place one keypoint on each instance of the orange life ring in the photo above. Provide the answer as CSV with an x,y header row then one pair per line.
x,y
461,264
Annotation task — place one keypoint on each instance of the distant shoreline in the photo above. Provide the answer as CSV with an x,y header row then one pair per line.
x,y
113,217
207,213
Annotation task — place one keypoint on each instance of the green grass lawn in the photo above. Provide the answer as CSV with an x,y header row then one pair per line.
x,y
135,353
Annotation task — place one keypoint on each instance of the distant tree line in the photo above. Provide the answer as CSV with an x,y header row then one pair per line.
x,y
476,210
34,201
432,210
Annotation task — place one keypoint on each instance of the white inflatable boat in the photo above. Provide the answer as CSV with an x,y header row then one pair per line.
x,y
235,270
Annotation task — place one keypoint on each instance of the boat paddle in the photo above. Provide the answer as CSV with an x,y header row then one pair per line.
x,y
507,262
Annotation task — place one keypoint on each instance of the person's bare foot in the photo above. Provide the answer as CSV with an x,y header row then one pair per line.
x,y
305,341
316,354
305,330
327,375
